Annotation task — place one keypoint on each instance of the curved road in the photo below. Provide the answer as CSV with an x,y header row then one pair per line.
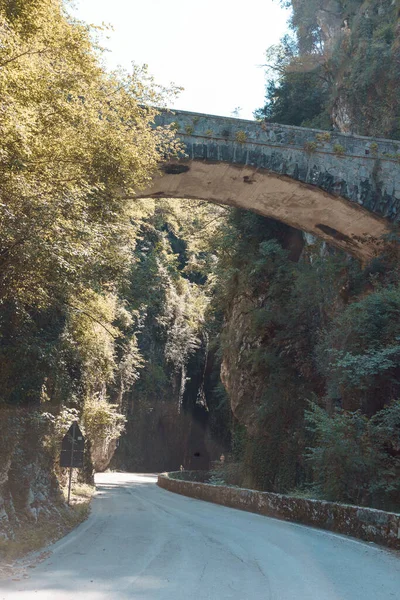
x,y
145,543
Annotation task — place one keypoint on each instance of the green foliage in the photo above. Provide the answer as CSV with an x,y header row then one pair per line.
x,y
102,420
341,458
76,142
310,147
170,291
240,137
339,150
296,99
355,459
314,78
323,137
72,139
226,472
374,148
359,351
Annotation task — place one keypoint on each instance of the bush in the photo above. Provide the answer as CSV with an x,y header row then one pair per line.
x,y
102,420
226,472
355,459
359,352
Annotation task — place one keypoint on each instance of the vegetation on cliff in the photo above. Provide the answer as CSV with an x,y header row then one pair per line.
x,y
310,346
340,68
170,289
311,364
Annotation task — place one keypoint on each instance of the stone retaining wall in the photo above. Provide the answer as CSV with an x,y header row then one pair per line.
x,y
364,523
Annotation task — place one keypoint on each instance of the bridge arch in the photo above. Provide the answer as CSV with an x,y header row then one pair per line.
x,y
344,189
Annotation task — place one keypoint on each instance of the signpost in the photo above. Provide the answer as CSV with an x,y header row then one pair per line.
x,y
72,449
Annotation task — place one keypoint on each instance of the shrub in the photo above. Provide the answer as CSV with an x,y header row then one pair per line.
x,y
310,147
359,353
323,137
355,459
240,137
226,472
102,420
339,150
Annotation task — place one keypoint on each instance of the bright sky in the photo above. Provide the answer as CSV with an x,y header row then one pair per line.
x,y
212,48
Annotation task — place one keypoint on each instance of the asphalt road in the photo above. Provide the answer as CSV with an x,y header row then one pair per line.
x,y
146,543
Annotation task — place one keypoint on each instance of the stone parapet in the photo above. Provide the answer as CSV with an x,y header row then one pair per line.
x,y
364,523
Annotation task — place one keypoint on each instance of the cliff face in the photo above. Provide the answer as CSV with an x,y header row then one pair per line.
x,y
311,329
242,338
244,387
329,17
362,60
168,418
305,348
101,453
29,488
260,350
340,68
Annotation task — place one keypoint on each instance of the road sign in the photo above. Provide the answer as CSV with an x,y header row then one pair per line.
x,y
75,461
72,450
73,436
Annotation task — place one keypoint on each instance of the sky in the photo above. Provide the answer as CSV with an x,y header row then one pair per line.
x,y
214,49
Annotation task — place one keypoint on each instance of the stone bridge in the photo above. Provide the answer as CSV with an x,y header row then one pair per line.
x,y
342,188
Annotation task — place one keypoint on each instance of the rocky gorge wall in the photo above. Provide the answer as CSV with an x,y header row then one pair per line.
x,y
29,488
355,43
364,523
32,501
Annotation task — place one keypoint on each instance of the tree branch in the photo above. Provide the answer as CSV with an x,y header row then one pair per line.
x,y
90,317
31,52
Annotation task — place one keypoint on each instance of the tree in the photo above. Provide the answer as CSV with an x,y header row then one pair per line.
x,y
297,99
77,142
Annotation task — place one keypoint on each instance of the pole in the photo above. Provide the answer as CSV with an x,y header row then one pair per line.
x,y
72,462
69,484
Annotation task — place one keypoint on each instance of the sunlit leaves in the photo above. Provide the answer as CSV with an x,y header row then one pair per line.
x,y
76,143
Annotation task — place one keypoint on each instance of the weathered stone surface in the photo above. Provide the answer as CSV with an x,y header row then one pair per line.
x,y
102,452
29,487
364,523
243,387
342,188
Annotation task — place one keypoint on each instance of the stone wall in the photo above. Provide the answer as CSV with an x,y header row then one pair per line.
x,y
364,523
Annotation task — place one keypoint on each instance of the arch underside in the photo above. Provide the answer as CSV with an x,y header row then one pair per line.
x,y
338,221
